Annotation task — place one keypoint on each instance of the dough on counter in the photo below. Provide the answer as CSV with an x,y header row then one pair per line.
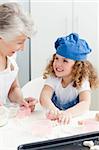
x,y
89,125
87,122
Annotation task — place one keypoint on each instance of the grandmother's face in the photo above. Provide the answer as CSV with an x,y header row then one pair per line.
x,y
8,48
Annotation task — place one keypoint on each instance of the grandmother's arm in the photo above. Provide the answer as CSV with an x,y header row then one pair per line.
x,y
15,94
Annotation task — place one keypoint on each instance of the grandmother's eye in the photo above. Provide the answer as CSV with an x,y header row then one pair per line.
x,y
20,43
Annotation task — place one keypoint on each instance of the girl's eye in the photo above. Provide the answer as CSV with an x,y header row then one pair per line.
x,y
56,58
65,61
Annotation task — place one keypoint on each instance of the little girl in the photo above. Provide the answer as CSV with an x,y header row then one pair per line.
x,y
67,90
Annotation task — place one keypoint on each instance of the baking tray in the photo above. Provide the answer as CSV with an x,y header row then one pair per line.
x,y
66,143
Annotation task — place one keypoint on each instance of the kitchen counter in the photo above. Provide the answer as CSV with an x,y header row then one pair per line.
x,y
35,128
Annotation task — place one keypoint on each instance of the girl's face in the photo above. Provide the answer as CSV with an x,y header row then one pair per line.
x,y
8,48
62,66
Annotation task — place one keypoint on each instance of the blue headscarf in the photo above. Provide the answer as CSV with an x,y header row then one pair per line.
x,y
72,47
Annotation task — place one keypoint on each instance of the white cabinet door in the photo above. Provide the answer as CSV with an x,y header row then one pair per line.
x,y
85,22
52,19
85,18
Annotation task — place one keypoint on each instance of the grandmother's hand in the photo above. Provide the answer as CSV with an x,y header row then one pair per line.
x,y
31,102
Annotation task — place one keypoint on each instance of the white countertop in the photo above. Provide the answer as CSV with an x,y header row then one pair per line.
x,y
19,131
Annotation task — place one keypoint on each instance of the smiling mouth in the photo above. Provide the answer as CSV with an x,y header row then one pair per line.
x,y
59,70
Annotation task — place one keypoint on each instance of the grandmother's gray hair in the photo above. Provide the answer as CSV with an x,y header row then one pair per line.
x,y
13,21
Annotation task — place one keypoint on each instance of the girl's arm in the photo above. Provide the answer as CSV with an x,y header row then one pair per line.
x,y
45,98
82,106
78,109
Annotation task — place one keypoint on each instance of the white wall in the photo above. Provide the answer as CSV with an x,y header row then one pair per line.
x,y
53,19
86,23
85,15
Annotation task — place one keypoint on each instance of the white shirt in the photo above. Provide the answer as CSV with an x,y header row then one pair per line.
x,y
7,77
68,93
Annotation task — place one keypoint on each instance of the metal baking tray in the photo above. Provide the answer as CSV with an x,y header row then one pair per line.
x,y
66,143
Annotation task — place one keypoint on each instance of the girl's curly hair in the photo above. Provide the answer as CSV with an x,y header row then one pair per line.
x,y
81,70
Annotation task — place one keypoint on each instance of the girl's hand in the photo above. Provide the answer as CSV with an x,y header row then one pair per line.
x,y
53,114
31,103
64,117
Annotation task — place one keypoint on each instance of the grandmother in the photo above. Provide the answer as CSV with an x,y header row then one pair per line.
x,y
15,28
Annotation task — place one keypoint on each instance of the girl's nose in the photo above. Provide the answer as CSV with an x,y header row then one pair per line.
x,y
59,63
